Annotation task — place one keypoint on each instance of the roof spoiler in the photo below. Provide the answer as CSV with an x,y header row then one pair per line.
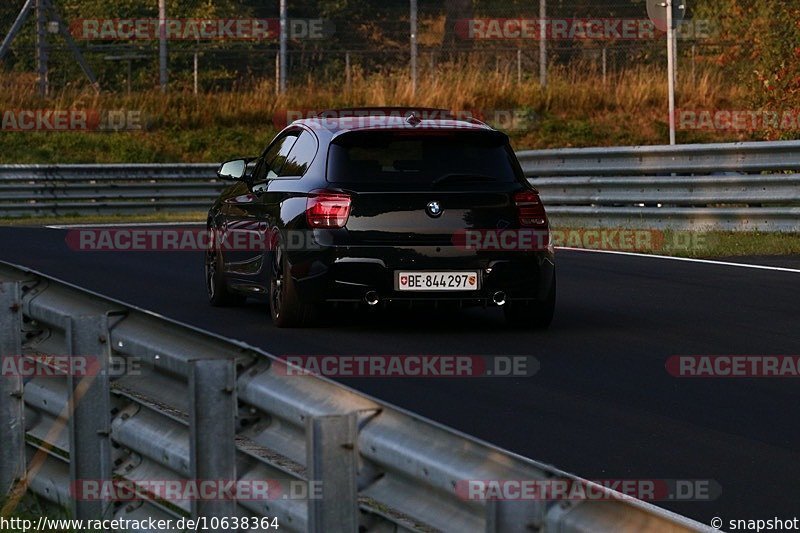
x,y
412,115
407,131
422,113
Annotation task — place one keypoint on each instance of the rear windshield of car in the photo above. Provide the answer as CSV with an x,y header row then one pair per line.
x,y
421,159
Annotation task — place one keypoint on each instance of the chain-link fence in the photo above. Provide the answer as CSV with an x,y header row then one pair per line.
x,y
221,44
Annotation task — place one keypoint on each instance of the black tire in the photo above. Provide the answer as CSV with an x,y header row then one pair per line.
x,y
219,294
285,307
532,314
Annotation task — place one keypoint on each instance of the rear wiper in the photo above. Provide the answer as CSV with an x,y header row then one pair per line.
x,y
463,178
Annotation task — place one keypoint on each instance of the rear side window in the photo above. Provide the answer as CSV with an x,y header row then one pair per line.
x,y
274,158
301,156
400,158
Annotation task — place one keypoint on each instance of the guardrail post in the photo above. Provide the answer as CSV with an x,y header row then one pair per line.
x,y
212,423
12,408
332,460
88,383
514,516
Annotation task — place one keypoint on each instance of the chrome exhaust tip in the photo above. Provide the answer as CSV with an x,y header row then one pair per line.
x,y
372,298
499,298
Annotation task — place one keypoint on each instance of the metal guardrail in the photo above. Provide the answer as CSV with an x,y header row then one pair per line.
x,y
55,190
738,187
202,407
732,187
692,159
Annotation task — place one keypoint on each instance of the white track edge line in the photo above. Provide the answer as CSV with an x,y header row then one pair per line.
x,y
126,225
684,259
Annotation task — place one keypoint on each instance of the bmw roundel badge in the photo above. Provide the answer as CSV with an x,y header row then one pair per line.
x,y
435,209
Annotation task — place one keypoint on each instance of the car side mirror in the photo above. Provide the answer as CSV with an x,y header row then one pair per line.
x,y
233,170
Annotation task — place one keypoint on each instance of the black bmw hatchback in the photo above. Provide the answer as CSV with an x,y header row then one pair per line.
x,y
377,208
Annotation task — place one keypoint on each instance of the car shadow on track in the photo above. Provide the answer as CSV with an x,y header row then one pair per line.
x,y
395,319
428,320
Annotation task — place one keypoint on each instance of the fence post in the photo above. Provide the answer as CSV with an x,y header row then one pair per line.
x,y
196,72
212,430
348,75
284,44
12,408
163,72
90,411
414,18
278,73
543,43
42,49
331,443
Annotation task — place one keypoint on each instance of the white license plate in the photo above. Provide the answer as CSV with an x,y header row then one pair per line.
x,y
437,281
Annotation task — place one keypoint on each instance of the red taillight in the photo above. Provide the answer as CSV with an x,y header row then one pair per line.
x,y
531,209
327,209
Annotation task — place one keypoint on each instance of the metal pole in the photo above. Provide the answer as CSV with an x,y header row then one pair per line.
x,y
23,15
278,73
519,66
675,46
543,43
284,40
671,72
348,76
63,28
41,47
162,44
605,65
414,12
196,65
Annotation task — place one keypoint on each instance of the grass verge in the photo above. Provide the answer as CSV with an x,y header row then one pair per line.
x,y
577,108
690,244
105,219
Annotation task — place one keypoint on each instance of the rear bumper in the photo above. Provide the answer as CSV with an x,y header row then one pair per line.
x,y
347,274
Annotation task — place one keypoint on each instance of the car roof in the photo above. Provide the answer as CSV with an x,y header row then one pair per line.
x,y
336,122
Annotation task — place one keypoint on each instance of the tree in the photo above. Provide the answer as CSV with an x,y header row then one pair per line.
x,y
763,50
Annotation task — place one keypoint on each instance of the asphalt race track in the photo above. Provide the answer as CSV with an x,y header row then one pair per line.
x,y
602,404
